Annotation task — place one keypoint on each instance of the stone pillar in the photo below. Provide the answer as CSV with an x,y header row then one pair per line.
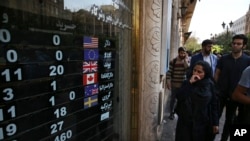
x,y
149,75
175,30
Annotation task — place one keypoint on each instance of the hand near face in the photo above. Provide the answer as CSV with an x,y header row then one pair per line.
x,y
187,59
194,78
198,74
215,129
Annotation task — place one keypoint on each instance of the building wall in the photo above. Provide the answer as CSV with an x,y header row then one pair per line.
x,y
247,29
239,25
153,49
150,84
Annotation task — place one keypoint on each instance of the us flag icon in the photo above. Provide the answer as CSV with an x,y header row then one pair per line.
x,y
90,42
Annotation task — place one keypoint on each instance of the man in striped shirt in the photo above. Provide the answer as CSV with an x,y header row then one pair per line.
x,y
176,75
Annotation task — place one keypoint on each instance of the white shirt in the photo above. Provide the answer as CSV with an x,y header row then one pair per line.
x,y
207,59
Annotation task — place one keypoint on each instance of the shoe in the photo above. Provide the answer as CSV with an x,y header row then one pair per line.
x,y
171,117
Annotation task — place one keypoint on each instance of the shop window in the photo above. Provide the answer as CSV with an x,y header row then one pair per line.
x,y
58,68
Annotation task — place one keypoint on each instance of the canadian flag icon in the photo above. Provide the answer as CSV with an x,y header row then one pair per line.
x,y
89,78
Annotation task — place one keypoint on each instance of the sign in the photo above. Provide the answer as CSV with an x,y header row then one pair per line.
x,y
55,84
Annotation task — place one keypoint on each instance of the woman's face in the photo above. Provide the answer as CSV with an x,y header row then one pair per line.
x,y
198,70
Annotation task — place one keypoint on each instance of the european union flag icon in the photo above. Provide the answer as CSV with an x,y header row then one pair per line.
x,y
90,54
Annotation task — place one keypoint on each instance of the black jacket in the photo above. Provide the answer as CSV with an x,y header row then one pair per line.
x,y
197,109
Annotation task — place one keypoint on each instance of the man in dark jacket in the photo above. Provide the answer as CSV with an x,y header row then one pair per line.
x,y
227,76
205,55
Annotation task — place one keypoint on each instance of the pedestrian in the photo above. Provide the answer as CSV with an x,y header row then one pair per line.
x,y
176,75
227,75
197,106
206,55
242,95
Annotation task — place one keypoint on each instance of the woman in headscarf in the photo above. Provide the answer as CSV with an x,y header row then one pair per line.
x,y
197,106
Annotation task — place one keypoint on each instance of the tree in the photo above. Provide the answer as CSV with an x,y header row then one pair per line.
x,y
217,49
192,44
224,41
248,43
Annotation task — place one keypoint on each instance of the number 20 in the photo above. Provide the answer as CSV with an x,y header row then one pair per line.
x,y
56,70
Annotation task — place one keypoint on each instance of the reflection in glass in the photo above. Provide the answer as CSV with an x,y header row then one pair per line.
x,y
96,17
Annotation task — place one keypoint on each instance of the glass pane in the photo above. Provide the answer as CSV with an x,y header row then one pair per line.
x,y
59,67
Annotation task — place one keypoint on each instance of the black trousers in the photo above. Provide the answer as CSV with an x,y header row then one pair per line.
x,y
230,116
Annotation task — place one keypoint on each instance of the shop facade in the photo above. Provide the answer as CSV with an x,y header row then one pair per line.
x,y
85,70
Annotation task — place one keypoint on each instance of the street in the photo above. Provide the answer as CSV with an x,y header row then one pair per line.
x,y
168,133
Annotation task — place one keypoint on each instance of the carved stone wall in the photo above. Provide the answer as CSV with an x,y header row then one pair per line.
x,y
150,74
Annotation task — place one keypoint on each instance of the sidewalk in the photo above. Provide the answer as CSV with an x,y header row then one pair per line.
x,y
168,133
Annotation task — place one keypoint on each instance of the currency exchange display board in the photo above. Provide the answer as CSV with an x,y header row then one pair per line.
x,y
54,85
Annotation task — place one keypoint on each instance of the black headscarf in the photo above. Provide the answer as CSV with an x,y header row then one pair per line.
x,y
206,82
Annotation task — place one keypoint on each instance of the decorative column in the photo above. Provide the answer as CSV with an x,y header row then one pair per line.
x,y
150,57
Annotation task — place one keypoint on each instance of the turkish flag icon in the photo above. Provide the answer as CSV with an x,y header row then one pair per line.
x,y
90,78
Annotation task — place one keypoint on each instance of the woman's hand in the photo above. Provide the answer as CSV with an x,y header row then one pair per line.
x,y
194,78
215,129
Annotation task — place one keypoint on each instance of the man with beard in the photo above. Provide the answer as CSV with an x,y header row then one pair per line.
x,y
227,76
205,55
176,75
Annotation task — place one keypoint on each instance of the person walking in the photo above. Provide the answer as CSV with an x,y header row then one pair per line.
x,y
241,94
206,55
176,75
227,75
197,106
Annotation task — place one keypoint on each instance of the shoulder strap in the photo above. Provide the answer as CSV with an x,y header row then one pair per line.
x,y
173,62
173,65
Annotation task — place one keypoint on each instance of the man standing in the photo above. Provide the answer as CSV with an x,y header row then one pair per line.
x,y
176,75
205,55
227,75
242,95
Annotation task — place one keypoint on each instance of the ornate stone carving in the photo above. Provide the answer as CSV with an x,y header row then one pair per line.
x,y
152,72
154,41
150,108
156,9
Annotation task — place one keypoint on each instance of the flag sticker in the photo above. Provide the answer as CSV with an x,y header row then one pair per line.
x,y
104,116
91,54
90,101
90,42
89,78
89,66
90,90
